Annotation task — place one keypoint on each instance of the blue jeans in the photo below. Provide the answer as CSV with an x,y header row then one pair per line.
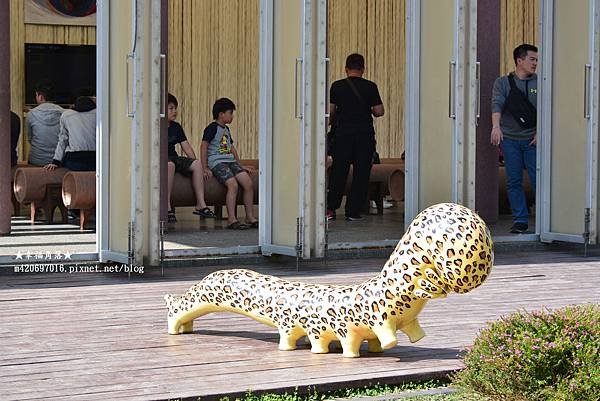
x,y
518,155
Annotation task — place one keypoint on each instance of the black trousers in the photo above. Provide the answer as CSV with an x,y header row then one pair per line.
x,y
356,149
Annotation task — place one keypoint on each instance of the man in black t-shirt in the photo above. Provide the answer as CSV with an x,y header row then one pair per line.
x,y
354,102
189,165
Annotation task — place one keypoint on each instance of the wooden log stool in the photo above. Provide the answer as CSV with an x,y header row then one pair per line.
x,y
79,192
41,188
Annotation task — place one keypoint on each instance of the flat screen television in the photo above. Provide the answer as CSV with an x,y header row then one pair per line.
x,y
72,70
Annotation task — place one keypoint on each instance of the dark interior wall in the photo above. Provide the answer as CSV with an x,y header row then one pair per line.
x,y
486,161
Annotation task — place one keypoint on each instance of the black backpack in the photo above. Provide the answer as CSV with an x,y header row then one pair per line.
x,y
519,106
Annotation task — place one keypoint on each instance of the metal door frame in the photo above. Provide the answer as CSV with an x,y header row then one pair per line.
x,y
544,151
302,248
465,113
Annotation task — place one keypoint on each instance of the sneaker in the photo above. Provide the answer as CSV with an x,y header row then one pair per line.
x,y
386,204
518,228
354,218
171,218
330,215
206,213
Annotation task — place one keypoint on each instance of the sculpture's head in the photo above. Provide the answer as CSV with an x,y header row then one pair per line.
x,y
455,242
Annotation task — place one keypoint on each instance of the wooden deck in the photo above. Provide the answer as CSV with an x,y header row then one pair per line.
x,y
103,337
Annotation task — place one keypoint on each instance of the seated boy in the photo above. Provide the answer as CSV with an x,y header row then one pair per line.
x,y
184,165
220,158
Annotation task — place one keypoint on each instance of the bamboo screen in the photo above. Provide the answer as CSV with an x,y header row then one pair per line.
x,y
519,24
21,33
213,53
375,29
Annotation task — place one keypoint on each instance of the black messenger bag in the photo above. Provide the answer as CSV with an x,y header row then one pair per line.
x,y
519,106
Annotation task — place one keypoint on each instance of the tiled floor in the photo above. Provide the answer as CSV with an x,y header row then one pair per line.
x,y
192,232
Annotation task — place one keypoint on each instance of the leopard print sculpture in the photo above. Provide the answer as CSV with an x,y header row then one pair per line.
x,y
446,248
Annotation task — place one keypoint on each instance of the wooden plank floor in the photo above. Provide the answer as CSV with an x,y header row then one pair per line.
x,y
103,336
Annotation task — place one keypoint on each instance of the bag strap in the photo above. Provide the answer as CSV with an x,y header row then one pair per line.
x,y
356,92
511,81
513,86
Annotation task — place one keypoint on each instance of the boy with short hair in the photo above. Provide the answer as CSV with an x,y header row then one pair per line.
x,y
188,166
220,158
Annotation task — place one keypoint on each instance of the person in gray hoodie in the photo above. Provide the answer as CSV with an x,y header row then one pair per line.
x,y
76,146
516,134
43,125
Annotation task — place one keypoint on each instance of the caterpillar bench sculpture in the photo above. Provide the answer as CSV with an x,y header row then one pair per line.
x,y
446,248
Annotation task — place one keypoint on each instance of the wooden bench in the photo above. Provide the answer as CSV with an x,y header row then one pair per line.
x,y
386,178
41,188
214,192
79,192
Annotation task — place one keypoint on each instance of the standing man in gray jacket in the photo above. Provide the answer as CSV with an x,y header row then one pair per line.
x,y
43,125
514,105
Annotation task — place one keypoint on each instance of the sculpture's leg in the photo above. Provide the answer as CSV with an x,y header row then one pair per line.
x,y
375,346
413,330
386,334
351,345
288,338
319,345
173,326
187,327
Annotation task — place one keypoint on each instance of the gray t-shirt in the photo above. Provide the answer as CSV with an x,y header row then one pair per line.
x,y
509,126
219,144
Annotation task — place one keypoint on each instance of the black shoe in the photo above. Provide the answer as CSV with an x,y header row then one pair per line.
x,y
171,218
206,213
519,228
354,218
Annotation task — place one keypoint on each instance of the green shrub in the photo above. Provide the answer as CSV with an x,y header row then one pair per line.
x,y
547,355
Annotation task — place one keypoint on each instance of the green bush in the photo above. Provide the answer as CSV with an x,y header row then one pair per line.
x,y
547,355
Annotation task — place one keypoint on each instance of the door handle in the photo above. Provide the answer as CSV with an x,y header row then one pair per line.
x,y
478,104
298,114
451,78
586,92
130,111
163,85
327,66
